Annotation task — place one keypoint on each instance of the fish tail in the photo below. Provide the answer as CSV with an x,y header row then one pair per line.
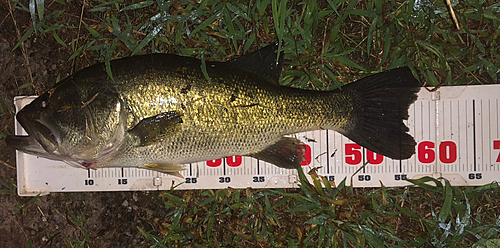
x,y
381,103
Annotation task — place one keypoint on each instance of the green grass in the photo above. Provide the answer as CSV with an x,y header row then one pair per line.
x,y
329,217
326,44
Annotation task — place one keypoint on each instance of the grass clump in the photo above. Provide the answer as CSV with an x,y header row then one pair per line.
x,y
326,44
322,215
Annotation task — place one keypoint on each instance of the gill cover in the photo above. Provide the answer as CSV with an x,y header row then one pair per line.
x,y
80,123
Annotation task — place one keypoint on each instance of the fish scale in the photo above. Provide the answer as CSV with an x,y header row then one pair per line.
x,y
213,125
160,111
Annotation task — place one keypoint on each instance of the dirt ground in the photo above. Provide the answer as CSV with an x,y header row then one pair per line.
x,y
105,219
111,219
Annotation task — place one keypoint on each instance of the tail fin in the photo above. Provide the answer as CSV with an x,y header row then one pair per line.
x,y
382,105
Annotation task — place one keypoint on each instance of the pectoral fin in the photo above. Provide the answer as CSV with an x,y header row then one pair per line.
x,y
168,168
286,153
153,129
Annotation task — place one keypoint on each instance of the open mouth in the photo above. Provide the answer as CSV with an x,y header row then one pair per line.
x,y
42,133
25,143
41,140
44,145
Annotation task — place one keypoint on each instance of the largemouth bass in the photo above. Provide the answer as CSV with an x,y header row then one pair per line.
x,y
161,111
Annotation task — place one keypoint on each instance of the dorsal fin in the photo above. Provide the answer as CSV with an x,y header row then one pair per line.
x,y
263,61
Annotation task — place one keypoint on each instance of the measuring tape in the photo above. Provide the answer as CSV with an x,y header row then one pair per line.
x,y
457,130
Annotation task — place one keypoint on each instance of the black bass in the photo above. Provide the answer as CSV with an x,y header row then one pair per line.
x,y
160,112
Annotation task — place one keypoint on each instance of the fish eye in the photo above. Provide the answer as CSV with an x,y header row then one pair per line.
x,y
44,104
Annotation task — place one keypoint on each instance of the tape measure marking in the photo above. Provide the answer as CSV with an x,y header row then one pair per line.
x,y
456,129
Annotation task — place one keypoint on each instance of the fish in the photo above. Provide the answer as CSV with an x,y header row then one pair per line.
x,y
162,111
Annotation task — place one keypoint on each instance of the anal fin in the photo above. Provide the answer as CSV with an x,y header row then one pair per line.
x,y
287,153
167,168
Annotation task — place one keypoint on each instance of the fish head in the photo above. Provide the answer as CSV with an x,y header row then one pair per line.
x,y
82,126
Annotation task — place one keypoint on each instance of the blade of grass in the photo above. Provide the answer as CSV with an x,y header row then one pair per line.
x,y
140,5
33,13
448,197
147,39
58,39
40,8
25,36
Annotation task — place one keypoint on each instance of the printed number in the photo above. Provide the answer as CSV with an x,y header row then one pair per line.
x,y
374,158
233,161
473,176
224,179
259,179
426,153
496,146
447,152
89,181
122,181
330,178
400,177
364,178
353,155
191,180
307,155
214,163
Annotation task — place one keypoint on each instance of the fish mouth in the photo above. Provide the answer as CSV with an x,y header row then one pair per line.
x,y
42,142
25,143
41,139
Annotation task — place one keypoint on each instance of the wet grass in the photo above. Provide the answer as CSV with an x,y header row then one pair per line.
x,y
326,44
321,215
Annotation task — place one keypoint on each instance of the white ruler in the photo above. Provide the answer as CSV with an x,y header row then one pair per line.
x,y
457,130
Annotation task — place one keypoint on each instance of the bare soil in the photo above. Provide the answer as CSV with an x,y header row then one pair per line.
x,y
111,219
